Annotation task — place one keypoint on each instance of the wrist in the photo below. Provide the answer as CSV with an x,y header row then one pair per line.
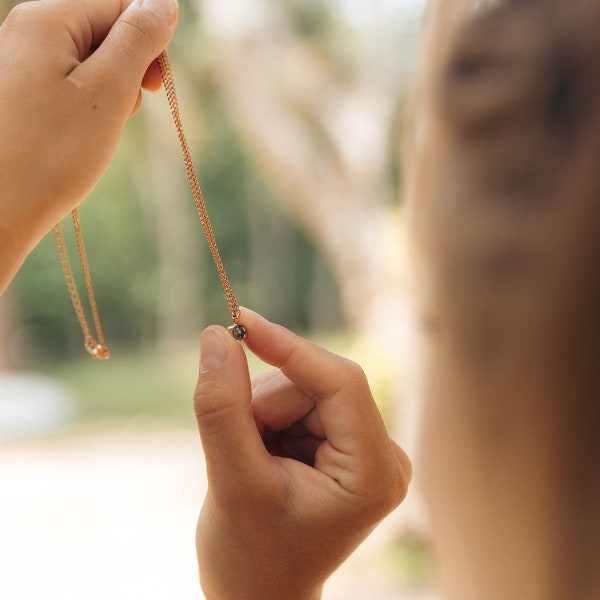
x,y
20,230
262,592
12,252
236,561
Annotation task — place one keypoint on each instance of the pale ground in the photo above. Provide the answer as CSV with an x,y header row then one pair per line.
x,y
97,515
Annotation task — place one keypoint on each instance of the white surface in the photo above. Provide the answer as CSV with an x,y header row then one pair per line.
x,y
32,404
97,516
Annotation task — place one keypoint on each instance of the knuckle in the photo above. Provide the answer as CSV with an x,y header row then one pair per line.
x,y
208,403
388,487
387,496
399,489
140,27
25,15
135,40
213,419
21,12
355,374
298,349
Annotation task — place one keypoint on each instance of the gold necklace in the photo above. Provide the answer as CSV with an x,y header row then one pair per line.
x,y
238,331
96,345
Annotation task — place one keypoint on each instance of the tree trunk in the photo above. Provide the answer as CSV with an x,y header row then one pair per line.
x,y
321,144
176,228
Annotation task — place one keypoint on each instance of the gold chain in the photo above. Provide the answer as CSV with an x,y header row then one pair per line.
x,y
97,347
169,84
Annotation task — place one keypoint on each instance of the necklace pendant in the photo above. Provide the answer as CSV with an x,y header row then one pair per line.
x,y
239,332
98,351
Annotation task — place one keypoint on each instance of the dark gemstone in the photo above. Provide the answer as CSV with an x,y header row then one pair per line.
x,y
239,332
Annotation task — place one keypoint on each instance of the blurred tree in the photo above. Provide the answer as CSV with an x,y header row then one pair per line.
x,y
284,93
150,266
6,332
5,6
317,104
316,99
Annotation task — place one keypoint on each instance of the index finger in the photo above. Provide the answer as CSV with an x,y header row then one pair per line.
x,y
337,386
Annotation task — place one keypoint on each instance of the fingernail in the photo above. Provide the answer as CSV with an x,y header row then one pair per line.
x,y
165,9
213,351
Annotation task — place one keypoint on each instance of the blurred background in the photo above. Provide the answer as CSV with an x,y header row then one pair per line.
x,y
293,110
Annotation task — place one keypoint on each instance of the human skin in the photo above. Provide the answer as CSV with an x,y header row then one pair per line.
x,y
300,466
299,463
506,219
72,74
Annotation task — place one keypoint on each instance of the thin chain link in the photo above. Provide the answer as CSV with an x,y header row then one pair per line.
x,y
97,348
169,84
87,277
65,263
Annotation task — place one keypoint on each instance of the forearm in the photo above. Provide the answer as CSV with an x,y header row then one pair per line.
x,y
239,558
13,248
262,585
228,569
264,594
260,590
22,225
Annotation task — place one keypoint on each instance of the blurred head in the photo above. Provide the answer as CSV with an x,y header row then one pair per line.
x,y
504,202
503,183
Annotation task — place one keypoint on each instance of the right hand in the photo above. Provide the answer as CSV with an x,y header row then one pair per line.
x,y
71,73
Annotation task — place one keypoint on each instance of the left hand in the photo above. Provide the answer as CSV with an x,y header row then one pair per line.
x,y
300,466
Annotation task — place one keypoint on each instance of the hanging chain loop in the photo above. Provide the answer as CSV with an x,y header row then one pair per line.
x,y
96,346
169,85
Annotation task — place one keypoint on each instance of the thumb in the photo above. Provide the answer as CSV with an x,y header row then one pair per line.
x,y
135,40
230,438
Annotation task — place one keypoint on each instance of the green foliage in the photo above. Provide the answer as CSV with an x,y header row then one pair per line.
x,y
121,259
145,387
272,266
141,388
311,18
408,559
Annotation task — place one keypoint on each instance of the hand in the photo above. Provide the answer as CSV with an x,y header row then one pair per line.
x,y
300,467
71,73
